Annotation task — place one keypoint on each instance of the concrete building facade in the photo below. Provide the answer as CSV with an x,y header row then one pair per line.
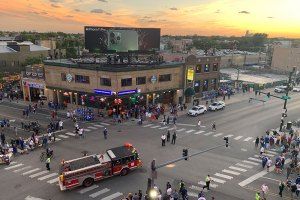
x,y
284,59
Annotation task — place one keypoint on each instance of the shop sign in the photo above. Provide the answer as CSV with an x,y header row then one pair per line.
x,y
105,92
69,77
153,79
190,74
124,92
33,85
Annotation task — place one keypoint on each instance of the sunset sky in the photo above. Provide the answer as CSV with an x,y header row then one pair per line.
x,y
175,17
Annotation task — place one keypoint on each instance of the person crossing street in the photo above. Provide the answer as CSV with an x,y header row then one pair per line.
x,y
174,136
105,133
213,126
48,160
163,140
207,182
168,136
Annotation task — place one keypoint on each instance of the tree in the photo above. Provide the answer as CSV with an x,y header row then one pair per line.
x,y
33,60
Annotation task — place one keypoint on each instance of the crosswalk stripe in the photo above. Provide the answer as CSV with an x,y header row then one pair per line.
x,y
38,174
238,137
189,131
13,162
98,125
164,127
209,133
247,139
82,191
71,134
253,141
47,176
14,166
254,159
271,152
31,171
193,187
242,165
32,198
218,180
154,126
87,130
91,127
231,172
63,136
218,134
192,194
148,125
199,132
237,169
211,185
113,196
94,195
53,180
223,176
264,154
57,139
249,162
229,136
179,130
22,169
170,129
105,124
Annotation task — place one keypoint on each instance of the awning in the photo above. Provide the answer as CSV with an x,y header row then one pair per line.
x,y
189,92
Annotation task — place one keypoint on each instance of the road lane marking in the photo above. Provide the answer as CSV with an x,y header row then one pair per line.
x,y
94,195
14,166
63,136
211,185
148,125
170,129
218,134
242,165
179,130
98,125
22,169
105,124
155,126
249,162
71,134
53,180
13,162
199,132
254,159
57,139
209,133
238,137
189,131
271,152
164,127
237,169
223,176
32,198
31,171
247,139
218,180
115,195
47,176
82,191
38,174
229,136
91,127
230,172
185,124
86,129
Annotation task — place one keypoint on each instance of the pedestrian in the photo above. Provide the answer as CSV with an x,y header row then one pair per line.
x,y
264,161
199,123
184,194
174,120
256,142
269,163
293,190
207,182
298,189
288,171
168,120
61,123
169,192
257,196
213,126
174,136
163,140
135,196
80,133
262,150
168,185
265,190
281,188
105,133
168,136
181,185
54,136
33,110
175,195
2,138
48,160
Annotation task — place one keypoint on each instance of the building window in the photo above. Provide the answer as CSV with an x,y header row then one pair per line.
x,y
141,80
197,86
206,68
105,81
214,83
126,82
205,85
82,79
63,77
198,69
215,67
165,77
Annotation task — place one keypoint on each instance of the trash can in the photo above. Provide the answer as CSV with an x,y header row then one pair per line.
x,y
289,125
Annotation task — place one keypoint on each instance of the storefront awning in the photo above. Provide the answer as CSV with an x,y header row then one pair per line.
x,y
189,92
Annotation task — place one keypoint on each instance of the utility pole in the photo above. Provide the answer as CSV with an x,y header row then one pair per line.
x,y
285,100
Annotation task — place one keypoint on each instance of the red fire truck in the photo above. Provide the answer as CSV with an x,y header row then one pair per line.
x,y
88,169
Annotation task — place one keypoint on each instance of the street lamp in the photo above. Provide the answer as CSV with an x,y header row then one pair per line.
x,y
153,193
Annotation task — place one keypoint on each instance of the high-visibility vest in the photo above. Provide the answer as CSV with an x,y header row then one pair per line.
x,y
48,160
257,196
207,179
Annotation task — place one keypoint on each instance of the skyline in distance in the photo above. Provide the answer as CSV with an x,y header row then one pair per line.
x,y
202,17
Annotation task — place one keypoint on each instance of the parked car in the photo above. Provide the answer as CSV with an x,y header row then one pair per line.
x,y
280,89
296,89
197,110
217,105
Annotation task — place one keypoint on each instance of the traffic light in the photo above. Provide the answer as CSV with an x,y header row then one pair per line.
x,y
268,94
226,139
185,153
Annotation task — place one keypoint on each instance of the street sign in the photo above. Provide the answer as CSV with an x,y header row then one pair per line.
x,y
286,97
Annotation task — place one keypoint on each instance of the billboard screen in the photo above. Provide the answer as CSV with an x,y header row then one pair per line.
x,y
108,39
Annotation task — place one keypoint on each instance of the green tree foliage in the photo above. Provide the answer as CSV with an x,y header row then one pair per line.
x,y
33,60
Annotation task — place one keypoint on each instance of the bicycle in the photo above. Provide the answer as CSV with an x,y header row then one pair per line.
x,y
43,156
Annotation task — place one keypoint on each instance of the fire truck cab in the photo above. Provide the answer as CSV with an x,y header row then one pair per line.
x,y
88,169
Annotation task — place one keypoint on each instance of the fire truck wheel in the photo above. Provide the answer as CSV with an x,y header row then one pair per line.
x,y
88,182
124,172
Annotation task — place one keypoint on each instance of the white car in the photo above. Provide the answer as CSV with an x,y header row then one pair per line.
x,y
218,105
197,110
296,89
280,89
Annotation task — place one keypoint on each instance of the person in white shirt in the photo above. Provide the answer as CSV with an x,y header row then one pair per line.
x,y
60,123
199,123
80,132
169,191
163,140
265,190
269,163
68,114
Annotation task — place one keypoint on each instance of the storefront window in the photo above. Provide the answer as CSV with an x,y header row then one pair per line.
x,y
197,86
206,68
165,77
215,67
141,80
198,69
63,77
105,81
82,79
126,82
214,83
205,85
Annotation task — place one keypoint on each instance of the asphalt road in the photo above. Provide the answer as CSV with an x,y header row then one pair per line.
x,y
241,121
